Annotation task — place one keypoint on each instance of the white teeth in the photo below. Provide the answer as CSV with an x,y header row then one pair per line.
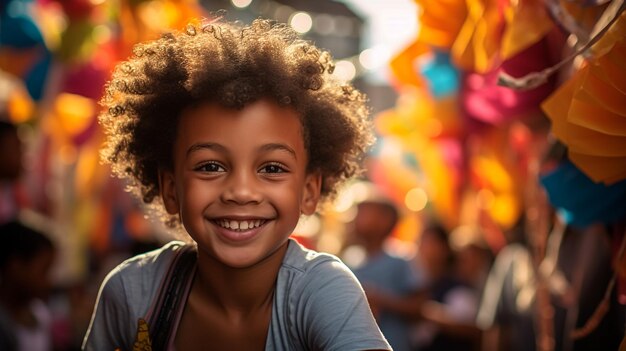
x,y
240,225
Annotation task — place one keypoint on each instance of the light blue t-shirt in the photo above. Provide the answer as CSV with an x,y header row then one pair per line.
x,y
318,303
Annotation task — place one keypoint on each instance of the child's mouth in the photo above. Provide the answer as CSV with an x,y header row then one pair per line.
x,y
238,230
240,225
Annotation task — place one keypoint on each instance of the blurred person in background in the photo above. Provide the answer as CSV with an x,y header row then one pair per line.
x,y
506,310
12,194
563,297
451,300
576,270
26,256
390,282
473,258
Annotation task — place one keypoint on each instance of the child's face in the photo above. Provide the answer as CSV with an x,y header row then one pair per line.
x,y
433,251
239,183
373,222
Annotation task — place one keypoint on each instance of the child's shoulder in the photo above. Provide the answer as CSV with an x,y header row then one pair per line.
x,y
154,258
305,260
143,272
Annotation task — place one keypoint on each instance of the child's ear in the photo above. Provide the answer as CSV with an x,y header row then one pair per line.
x,y
167,186
312,190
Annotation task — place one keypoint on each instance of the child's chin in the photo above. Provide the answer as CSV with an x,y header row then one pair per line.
x,y
238,257
243,257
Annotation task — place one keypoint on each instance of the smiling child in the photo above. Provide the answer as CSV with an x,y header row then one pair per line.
x,y
233,133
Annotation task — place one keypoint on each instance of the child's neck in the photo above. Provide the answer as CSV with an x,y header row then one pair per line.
x,y
374,248
238,291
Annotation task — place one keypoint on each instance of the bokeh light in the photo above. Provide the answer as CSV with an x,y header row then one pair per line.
x,y
301,22
241,3
374,57
416,199
344,70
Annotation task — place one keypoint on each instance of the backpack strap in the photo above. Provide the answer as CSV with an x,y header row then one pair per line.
x,y
172,297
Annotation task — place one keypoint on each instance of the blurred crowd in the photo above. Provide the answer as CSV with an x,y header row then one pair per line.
x,y
40,309
455,293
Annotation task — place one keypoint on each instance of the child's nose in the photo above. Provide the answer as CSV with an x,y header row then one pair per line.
x,y
241,188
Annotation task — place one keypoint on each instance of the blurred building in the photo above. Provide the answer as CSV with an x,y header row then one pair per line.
x,y
331,25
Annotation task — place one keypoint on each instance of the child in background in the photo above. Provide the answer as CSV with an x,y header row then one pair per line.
x,y
26,257
235,132
391,283
450,308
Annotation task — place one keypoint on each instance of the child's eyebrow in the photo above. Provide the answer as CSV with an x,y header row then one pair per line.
x,y
278,146
221,148
211,146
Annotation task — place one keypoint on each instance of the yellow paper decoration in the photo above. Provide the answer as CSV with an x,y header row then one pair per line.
x,y
498,195
600,100
441,184
440,21
493,33
526,23
577,138
588,112
478,41
603,169
417,112
402,65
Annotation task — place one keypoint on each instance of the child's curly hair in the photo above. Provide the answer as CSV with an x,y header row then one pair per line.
x,y
234,66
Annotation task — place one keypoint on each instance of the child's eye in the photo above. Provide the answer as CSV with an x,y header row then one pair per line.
x,y
210,167
272,168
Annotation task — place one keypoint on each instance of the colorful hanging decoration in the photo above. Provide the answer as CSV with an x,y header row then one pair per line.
x,y
588,111
451,70
486,101
23,50
494,177
440,22
581,201
428,129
